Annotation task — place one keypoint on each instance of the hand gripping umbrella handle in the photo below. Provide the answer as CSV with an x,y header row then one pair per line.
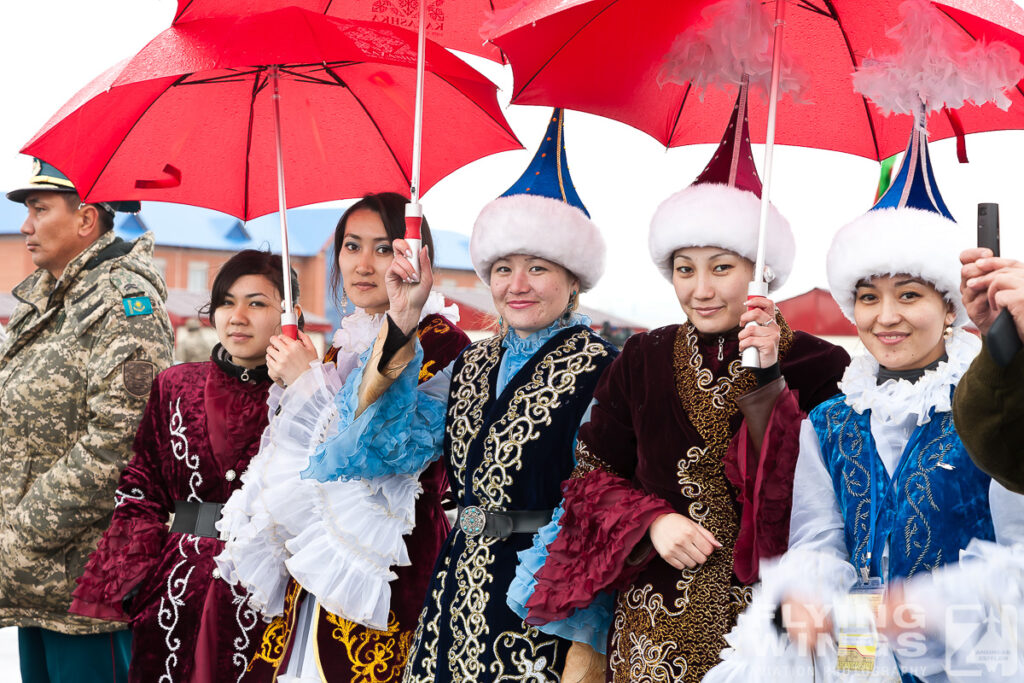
x,y
290,325
750,357
413,220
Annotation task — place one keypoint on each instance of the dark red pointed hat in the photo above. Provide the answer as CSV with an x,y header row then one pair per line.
x,y
722,208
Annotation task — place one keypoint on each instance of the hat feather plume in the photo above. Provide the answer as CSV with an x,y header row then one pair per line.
x,y
735,38
937,65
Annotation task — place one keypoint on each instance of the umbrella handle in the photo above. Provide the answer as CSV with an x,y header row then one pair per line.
x,y
290,325
750,357
413,220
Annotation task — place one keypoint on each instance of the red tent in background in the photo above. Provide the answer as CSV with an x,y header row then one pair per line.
x,y
817,313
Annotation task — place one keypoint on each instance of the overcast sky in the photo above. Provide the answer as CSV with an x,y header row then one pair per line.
x,y
51,49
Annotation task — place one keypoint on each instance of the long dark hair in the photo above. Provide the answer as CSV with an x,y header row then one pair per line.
x,y
249,262
390,206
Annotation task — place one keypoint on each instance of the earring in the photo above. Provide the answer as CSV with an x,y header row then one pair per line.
x,y
344,301
571,306
947,333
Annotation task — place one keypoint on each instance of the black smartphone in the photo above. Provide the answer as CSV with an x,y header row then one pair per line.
x,y
1003,340
988,227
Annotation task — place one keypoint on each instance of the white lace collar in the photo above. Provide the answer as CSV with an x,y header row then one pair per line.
x,y
895,400
359,329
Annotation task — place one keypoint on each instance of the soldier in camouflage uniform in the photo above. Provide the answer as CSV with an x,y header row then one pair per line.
x,y
84,344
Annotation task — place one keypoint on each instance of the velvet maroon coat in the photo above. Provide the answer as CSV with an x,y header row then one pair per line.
x,y
200,429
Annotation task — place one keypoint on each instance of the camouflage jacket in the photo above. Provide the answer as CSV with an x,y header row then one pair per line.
x,y
75,373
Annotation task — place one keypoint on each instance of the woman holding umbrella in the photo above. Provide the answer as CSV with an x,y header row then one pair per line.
x,y
884,488
201,426
286,535
505,415
685,469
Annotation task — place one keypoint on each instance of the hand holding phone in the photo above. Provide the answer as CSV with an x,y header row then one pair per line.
x,y
1003,340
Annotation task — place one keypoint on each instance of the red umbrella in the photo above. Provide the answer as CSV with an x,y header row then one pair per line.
x,y
455,23
452,23
191,118
605,57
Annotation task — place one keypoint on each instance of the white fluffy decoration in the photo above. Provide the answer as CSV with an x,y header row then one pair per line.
x,y
897,242
895,400
712,215
537,226
734,39
938,65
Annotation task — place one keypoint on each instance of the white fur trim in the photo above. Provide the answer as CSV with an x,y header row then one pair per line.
x,y
894,242
711,215
538,226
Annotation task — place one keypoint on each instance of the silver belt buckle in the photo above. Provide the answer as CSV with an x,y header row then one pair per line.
x,y
472,520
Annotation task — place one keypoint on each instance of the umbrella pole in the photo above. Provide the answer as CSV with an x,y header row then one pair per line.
x,y
413,210
759,285
289,322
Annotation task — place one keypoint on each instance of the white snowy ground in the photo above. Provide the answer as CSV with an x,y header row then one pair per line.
x,y
9,655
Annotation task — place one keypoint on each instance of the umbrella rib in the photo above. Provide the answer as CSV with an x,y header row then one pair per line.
x,y
477,105
679,114
973,37
126,134
183,10
853,60
562,47
806,4
366,111
248,142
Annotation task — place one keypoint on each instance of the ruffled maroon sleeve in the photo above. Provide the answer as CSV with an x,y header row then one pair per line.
x,y
604,522
764,483
130,550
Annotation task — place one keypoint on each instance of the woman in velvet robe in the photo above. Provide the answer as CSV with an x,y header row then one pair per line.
x,y
202,425
684,472
285,533
884,489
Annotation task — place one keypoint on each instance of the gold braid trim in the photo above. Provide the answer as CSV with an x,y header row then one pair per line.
x,y
662,634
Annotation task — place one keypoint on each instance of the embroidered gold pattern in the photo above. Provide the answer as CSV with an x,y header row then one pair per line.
x,y
466,404
531,656
274,642
682,645
429,662
374,656
467,609
529,411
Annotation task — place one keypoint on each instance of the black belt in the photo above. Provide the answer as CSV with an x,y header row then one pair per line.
x,y
197,519
475,521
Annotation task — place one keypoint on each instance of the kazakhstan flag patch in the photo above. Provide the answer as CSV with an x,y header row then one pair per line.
x,y
137,305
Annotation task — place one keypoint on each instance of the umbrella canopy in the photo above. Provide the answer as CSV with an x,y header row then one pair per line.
x,y
452,23
608,57
190,118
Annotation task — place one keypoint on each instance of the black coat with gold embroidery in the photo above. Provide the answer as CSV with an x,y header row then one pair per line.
x,y
506,452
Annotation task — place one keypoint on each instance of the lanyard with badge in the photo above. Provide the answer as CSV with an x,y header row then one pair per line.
x,y
854,617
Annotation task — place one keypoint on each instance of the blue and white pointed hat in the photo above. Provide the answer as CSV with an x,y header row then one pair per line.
x,y
541,215
908,231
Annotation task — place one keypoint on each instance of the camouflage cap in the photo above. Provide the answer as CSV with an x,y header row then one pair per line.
x,y
46,178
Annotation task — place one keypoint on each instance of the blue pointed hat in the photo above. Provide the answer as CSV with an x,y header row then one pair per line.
x,y
908,231
914,186
548,173
541,215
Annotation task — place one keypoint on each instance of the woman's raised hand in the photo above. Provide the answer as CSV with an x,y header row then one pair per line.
x,y
406,294
765,336
288,358
682,542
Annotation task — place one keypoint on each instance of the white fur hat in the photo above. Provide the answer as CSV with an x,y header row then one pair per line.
x,y
538,226
715,215
907,241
